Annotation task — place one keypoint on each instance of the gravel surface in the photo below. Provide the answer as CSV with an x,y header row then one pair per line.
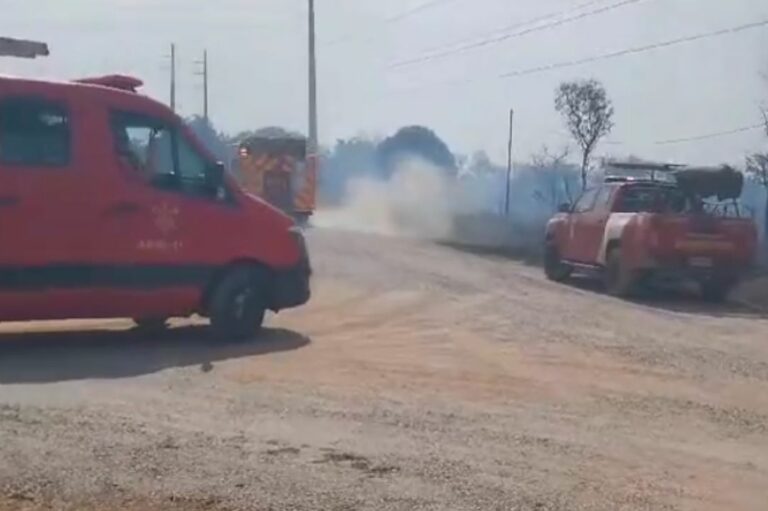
x,y
420,377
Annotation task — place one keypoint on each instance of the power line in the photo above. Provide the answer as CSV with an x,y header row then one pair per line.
x,y
596,58
711,135
697,138
637,49
519,24
416,10
506,36
395,18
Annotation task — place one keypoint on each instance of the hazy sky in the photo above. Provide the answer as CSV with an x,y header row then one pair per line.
x,y
257,52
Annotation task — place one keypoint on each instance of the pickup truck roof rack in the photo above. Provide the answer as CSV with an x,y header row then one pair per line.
x,y
641,165
723,182
632,179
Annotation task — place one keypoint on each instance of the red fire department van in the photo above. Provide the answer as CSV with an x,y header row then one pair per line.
x,y
109,207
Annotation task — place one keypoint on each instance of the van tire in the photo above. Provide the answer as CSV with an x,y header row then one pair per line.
x,y
619,280
554,267
238,304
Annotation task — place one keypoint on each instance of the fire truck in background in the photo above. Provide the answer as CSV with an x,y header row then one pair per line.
x,y
280,171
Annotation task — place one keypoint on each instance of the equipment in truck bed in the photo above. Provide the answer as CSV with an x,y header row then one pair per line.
x,y
723,182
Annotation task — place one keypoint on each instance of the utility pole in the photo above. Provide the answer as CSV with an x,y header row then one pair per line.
x,y
173,77
204,74
313,142
313,159
509,160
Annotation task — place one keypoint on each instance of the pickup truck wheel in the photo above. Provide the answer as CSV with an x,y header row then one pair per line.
x,y
715,291
238,305
554,267
151,325
619,280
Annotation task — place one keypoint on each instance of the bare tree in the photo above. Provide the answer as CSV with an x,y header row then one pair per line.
x,y
757,169
555,180
588,114
547,158
764,111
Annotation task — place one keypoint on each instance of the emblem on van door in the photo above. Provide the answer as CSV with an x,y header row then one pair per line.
x,y
166,218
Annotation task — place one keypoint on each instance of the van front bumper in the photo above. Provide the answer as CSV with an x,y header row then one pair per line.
x,y
291,287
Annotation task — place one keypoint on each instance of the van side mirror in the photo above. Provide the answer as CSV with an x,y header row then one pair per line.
x,y
564,208
216,175
215,181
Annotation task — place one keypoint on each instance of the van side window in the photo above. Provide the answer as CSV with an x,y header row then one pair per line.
x,y
192,166
144,146
160,154
34,133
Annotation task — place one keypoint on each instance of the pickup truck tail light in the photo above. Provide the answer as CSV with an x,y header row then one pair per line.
x,y
653,239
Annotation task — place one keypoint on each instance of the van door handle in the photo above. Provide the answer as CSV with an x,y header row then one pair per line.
x,y
122,208
8,201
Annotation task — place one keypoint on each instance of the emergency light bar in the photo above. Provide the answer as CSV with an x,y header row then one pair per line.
x,y
22,49
121,82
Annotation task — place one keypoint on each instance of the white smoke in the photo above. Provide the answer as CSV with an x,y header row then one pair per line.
x,y
421,201
418,200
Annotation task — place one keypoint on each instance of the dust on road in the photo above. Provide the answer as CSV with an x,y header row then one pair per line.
x,y
420,377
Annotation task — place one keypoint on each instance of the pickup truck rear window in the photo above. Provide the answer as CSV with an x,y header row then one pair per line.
x,y
650,199
586,202
34,133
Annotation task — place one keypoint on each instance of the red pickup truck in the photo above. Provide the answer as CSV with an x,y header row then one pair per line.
x,y
636,231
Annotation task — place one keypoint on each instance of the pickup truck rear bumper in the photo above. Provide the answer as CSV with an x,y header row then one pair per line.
x,y
689,270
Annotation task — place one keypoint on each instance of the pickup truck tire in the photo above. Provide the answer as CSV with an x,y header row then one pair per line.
x,y
151,325
619,280
715,291
554,267
238,304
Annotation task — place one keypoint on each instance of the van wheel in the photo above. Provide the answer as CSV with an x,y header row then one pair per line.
x,y
151,325
554,267
619,280
238,305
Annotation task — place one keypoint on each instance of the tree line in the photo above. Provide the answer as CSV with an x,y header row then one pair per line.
x,y
547,180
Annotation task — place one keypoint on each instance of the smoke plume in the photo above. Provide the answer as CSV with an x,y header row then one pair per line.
x,y
416,201
420,200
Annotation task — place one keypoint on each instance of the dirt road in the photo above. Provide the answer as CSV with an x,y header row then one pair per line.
x,y
420,377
